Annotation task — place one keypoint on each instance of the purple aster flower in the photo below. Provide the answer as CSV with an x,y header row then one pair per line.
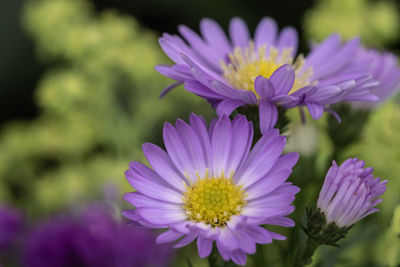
x,y
384,68
210,186
264,71
11,222
93,239
349,193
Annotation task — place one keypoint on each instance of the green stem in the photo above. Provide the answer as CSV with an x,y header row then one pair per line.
x,y
306,258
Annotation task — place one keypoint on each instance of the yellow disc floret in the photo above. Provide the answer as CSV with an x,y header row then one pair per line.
x,y
213,200
248,63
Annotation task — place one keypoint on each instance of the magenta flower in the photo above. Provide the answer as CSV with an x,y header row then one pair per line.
x,y
211,187
94,238
11,224
264,71
349,193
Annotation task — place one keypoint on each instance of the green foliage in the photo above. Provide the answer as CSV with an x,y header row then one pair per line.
x,y
375,21
98,100
379,148
389,245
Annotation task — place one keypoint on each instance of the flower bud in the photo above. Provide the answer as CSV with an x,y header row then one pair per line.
x,y
349,193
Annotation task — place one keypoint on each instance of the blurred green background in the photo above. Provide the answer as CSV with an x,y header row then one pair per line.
x,y
79,95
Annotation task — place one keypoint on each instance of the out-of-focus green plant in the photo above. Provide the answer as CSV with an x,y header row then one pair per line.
x,y
389,247
376,22
379,148
98,101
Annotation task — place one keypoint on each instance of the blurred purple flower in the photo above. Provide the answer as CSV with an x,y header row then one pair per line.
x,y
11,222
264,71
384,68
211,186
94,238
349,193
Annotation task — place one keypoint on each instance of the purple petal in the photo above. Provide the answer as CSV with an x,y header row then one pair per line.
x,y
161,217
169,46
168,89
199,89
227,106
285,100
246,243
221,144
200,127
163,165
215,36
239,94
281,221
168,236
338,60
316,110
203,74
277,236
273,199
326,95
259,234
334,114
209,55
288,39
139,220
267,184
286,161
268,113
185,241
239,257
283,79
177,151
260,212
192,146
261,159
227,239
141,201
150,184
265,33
173,73
239,33
305,91
264,87
241,142
323,51
204,247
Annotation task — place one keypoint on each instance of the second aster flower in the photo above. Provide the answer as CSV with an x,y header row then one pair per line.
x,y
264,71
210,186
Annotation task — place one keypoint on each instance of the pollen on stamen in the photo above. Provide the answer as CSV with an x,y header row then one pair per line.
x,y
213,200
246,64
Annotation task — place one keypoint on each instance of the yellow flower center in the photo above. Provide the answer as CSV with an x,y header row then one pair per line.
x,y
248,63
213,200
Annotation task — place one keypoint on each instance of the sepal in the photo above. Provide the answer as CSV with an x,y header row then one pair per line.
x,y
322,233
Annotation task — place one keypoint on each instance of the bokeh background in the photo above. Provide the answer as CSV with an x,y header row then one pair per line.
x,y
79,95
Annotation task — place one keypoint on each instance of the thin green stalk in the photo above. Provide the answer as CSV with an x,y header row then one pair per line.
x,y
306,258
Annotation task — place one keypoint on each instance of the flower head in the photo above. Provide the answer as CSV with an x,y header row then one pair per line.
x,y
349,193
210,186
11,223
94,238
264,70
